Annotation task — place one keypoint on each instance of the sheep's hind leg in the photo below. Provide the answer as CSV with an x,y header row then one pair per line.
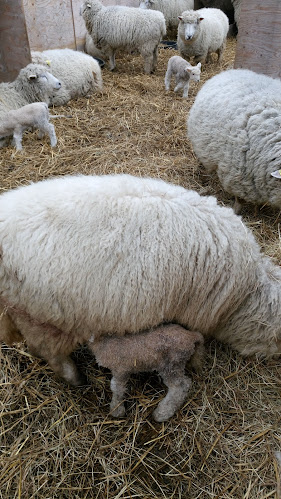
x,y
178,388
168,80
118,388
52,134
17,138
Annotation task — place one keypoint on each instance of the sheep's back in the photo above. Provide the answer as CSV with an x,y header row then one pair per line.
x,y
234,126
116,254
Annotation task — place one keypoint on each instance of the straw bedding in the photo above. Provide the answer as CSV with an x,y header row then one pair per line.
x,y
60,442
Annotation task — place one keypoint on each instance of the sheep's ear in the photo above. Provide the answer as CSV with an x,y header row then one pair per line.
x,y
200,19
180,18
199,65
276,174
188,70
32,77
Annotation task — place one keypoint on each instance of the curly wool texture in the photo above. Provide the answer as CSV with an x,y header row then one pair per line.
x,y
208,35
124,28
25,89
116,254
79,73
171,9
235,128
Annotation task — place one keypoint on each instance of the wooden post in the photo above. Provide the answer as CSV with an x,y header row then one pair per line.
x,y
14,45
259,38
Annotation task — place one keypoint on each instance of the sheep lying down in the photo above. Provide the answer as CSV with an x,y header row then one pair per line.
x,y
35,115
165,349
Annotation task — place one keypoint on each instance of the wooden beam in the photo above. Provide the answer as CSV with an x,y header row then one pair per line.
x,y
259,37
14,45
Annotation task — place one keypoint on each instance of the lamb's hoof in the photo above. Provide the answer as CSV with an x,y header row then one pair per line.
x,y
118,412
161,415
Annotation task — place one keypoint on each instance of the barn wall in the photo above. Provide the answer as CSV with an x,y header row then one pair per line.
x,y
259,37
58,24
14,47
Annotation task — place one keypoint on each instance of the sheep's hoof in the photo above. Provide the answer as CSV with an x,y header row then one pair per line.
x,y
161,415
118,412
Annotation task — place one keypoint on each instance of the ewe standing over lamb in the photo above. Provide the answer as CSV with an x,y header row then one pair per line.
x,y
115,254
201,32
79,73
165,349
171,9
124,28
183,73
35,115
240,137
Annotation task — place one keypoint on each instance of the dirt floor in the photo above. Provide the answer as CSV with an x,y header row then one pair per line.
x,y
60,442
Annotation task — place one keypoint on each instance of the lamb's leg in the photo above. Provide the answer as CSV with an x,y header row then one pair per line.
x,y
118,388
52,134
17,138
185,90
178,387
178,86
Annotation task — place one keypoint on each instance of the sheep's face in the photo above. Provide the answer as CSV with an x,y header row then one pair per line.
x,y
146,4
189,27
44,79
194,73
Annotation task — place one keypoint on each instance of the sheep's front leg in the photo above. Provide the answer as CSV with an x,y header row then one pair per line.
x,y
178,388
118,388
178,86
111,57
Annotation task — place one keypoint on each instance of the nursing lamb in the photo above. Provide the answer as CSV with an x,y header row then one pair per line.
x,y
124,28
164,349
117,254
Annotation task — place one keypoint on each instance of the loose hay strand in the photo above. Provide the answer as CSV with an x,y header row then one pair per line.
x,y
60,442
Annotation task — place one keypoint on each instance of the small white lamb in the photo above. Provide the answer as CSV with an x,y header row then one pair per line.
x,y
183,73
164,349
35,115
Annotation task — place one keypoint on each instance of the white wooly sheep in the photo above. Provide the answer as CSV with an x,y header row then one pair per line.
x,y
116,254
165,349
124,28
79,73
35,115
201,32
171,9
183,73
239,137
33,84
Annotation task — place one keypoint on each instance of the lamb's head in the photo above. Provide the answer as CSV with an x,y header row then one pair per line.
x,y
38,84
146,4
189,25
194,72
